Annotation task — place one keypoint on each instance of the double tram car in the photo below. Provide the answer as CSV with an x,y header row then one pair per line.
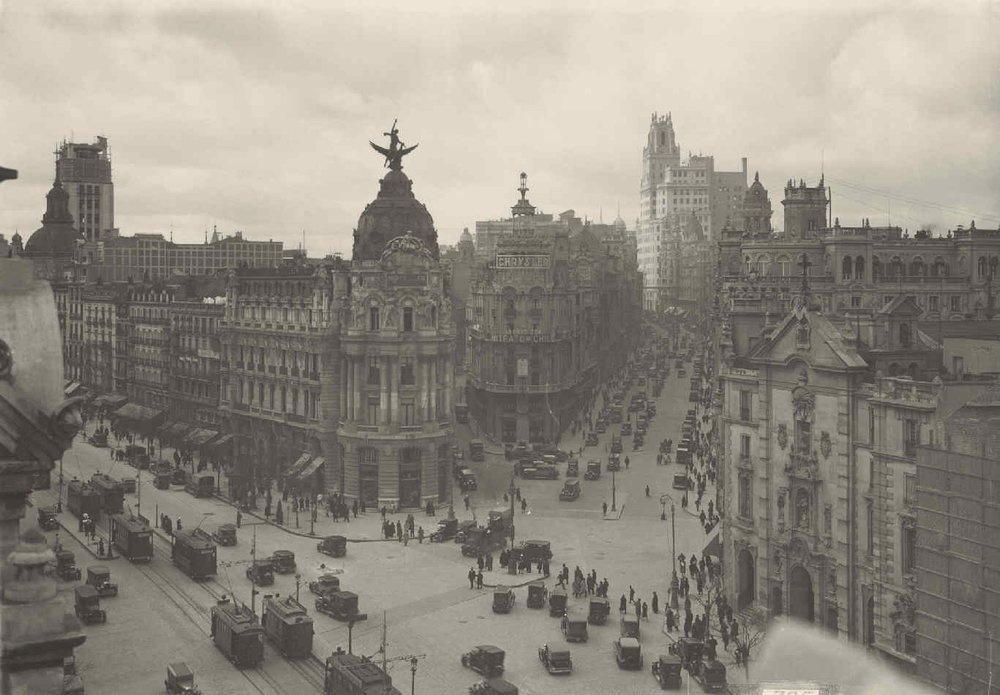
x,y
347,674
132,536
111,491
288,627
238,634
83,498
194,553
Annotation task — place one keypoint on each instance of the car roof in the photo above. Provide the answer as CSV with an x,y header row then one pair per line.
x,y
492,649
99,569
629,642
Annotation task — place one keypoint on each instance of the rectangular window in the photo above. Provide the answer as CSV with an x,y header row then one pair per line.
x,y
406,375
855,302
372,414
870,545
295,401
374,373
908,544
910,497
745,446
871,426
911,437
409,412
932,303
957,365
407,319
745,495
373,319
745,401
956,303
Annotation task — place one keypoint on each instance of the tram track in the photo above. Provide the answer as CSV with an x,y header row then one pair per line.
x,y
269,675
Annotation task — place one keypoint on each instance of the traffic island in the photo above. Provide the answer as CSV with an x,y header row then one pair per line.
x,y
616,513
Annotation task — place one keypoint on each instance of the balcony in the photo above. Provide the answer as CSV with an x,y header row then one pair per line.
x,y
294,417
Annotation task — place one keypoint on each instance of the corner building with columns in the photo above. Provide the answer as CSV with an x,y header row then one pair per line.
x,y
397,355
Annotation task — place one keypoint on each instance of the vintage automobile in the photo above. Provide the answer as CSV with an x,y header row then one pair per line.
x,y
129,485
98,439
626,429
162,481
534,550
600,427
710,675
325,584
574,627
540,471
570,491
503,599
467,480
600,608
225,534
178,477
340,605
592,439
667,672
88,605
47,519
556,663
615,462
261,572
180,680
334,546
629,626
616,444
485,659
65,567
536,595
628,653
479,541
572,468
284,561
688,649
593,470
680,481
461,535
99,577
493,686
445,530
557,603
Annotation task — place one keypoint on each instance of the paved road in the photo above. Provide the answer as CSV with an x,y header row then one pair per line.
x,y
423,588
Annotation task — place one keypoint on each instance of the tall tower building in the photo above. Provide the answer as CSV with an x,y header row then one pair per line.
x,y
660,154
85,172
757,208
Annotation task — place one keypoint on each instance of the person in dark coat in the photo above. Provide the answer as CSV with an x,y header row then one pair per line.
x,y
472,577
687,624
622,604
645,611
670,621
479,579
656,603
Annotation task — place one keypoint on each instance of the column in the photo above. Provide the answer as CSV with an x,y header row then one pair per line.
x,y
383,400
393,389
422,389
356,390
433,391
449,387
345,390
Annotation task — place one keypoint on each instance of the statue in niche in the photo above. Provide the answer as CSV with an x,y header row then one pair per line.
x,y
390,316
802,510
782,436
781,506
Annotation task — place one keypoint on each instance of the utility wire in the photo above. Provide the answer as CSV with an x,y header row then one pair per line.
x,y
914,200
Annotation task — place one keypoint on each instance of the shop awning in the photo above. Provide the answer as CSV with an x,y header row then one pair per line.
x,y
313,466
221,440
298,465
137,413
199,437
110,400
714,547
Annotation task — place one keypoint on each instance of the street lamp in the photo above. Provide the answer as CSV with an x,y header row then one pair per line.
x,y
298,582
511,490
59,501
295,503
413,675
613,490
312,523
350,634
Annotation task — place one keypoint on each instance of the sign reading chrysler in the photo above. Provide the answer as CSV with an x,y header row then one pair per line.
x,y
511,261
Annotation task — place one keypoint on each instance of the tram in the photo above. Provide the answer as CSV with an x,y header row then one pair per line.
x,y
83,498
288,627
347,674
111,491
194,553
237,633
132,536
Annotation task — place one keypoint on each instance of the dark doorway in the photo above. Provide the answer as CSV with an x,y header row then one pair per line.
x,y
800,595
832,617
869,636
746,579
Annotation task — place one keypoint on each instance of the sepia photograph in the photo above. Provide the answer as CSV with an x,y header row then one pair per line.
x,y
332,333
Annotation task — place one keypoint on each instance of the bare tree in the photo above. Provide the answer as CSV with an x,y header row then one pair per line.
x,y
748,635
710,596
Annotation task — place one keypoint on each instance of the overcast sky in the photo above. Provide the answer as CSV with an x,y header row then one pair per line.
x,y
259,119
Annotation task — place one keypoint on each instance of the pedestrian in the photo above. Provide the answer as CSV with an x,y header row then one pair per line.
x,y
466,499
399,530
489,562
517,492
420,534
687,624
631,594
622,604
384,511
479,579
670,621
480,561
524,505
656,603
179,527
638,609
239,518
647,491
725,636
687,603
100,548
604,508
472,577
645,611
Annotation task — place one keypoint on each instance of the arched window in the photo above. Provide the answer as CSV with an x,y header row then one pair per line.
x,y
895,267
994,266
859,268
784,266
904,334
940,267
847,268
876,268
917,267
981,266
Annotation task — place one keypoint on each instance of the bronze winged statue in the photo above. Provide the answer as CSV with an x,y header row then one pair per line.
x,y
396,151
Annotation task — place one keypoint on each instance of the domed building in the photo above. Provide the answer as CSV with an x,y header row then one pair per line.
x,y
757,209
397,354
54,245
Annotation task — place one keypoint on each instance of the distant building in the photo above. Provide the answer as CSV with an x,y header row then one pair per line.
x,y
101,306
549,316
85,170
54,247
671,192
195,352
147,331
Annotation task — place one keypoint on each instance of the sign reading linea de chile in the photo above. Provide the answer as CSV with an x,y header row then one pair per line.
x,y
511,261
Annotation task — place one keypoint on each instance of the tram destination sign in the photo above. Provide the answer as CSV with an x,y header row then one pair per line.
x,y
517,261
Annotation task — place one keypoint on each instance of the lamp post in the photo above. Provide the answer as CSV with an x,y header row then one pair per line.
x,y
312,522
413,676
510,491
295,503
59,501
613,491
350,634
298,582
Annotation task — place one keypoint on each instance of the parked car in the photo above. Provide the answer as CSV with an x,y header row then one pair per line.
x,y
629,626
600,608
99,577
556,663
261,572
573,469
334,546
225,534
667,672
536,595
485,659
493,686
628,653
87,605
503,599
325,584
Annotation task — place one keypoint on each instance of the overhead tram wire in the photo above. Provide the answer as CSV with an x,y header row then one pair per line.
x,y
920,202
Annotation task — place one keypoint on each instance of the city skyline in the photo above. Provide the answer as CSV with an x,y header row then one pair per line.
x,y
257,121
